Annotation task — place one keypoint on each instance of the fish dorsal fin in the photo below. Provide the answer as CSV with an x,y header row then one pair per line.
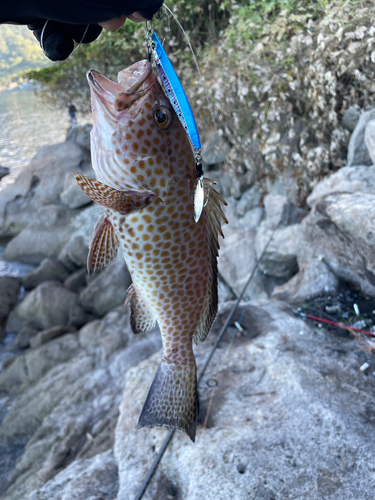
x,y
103,247
214,218
141,317
124,202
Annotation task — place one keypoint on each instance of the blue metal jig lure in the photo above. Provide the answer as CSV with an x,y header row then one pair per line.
x,y
180,104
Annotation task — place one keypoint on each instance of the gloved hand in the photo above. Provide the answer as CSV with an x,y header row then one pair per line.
x,y
69,19
57,41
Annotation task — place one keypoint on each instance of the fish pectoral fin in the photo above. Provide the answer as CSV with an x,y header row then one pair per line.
x,y
141,317
103,247
172,400
124,202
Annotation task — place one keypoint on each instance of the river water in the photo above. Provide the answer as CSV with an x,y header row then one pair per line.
x,y
26,124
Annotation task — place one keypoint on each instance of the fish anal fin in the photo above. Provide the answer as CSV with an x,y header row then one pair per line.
x,y
172,400
124,202
213,218
103,247
141,317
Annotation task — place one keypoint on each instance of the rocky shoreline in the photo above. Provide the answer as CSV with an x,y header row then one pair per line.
x,y
292,415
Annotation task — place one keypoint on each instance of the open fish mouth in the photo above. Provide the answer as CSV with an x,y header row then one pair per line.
x,y
133,82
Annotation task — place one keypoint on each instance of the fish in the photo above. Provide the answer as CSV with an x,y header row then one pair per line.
x,y
145,177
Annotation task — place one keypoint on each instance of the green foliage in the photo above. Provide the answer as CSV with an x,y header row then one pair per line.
x,y
19,51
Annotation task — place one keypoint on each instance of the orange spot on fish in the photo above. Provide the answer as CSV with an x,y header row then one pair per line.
x,y
147,143
150,161
135,146
133,170
147,247
156,238
128,137
162,183
140,134
147,218
145,237
140,178
153,183
142,164
138,255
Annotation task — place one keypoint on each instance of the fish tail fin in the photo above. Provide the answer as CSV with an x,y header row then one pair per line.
x,y
172,400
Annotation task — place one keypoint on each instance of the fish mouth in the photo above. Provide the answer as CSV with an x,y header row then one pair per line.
x,y
133,83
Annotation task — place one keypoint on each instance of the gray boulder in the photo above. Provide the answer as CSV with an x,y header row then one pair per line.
x,y
108,289
280,258
48,305
350,118
213,150
9,290
357,151
237,259
49,334
337,237
76,281
49,270
38,184
249,199
90,479
74,254
4,171
43,239
288,396
370,139
72,195
346,180
80,135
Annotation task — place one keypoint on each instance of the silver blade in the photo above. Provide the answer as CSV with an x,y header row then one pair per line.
x,y
198,199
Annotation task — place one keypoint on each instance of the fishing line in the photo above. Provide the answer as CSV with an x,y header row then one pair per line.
x,y
158,458
212,114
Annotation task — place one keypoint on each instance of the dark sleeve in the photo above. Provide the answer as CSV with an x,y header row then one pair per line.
x,y
74,11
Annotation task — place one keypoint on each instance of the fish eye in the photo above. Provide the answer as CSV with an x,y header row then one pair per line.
x,y
162,117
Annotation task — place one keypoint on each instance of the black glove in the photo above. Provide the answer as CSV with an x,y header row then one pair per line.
x,y
68,19
57,41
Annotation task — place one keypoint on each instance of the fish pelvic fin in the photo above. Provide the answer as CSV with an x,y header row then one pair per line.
x,y
141,316
214,218
124,202
172,400
103,247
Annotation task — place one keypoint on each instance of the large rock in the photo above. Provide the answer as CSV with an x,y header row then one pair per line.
x,y
108,289
65,416
55,229
38,184
350,118
4,171
49,270
337,237
213,150
370,139
9,289
80,135
289,411
345,180
72,195
237,258
357,151
48,305
45,238
75,252
280,258
94,478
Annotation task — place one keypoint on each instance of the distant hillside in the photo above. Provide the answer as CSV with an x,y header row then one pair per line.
x,y
19,51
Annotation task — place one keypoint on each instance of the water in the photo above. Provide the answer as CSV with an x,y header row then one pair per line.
x,y
26,124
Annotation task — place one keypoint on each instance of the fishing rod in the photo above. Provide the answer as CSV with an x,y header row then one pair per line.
x,y
167,440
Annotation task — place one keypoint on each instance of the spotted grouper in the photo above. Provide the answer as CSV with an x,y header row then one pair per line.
x,y
145,178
